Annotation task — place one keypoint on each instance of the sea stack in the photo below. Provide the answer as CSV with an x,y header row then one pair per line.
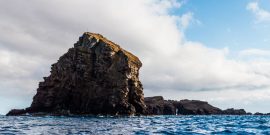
x,y
95,77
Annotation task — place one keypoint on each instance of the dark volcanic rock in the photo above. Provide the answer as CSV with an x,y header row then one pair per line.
x,y
159,106
232,111
196,107
17,112
258,113
96,76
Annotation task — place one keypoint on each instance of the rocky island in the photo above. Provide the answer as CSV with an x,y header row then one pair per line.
x,y
98,77
158,106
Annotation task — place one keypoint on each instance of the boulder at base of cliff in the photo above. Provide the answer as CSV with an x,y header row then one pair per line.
x,y
96,76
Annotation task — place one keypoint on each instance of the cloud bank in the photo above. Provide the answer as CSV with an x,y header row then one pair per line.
x,y
261,14
35,33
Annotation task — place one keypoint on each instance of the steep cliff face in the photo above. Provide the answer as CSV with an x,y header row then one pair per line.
x,y
96,76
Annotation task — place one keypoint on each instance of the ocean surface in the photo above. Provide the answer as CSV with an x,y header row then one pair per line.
x,y
135,125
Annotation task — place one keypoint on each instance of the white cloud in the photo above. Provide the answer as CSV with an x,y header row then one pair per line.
x,y
33,34
19,75
185,20
260,13
254,52
195,67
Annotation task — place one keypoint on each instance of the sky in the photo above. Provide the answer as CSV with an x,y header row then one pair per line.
x,y
216,51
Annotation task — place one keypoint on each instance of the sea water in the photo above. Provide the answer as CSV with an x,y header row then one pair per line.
x,y
135,125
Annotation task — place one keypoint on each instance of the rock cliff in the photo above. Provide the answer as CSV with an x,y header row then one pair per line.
x,y
96,76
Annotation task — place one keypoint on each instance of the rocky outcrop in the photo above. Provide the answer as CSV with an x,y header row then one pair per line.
x,y
17,112
232,111
159,106
258,113
96,76
196,107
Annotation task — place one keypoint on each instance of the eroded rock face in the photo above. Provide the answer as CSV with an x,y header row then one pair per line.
x,y
96,76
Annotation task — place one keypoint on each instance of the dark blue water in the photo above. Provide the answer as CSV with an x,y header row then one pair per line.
x,y
135,125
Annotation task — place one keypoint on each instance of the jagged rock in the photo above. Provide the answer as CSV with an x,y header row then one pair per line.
x,y
96,76
232,111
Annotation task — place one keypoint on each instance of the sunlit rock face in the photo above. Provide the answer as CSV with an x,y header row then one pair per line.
x,y
96,76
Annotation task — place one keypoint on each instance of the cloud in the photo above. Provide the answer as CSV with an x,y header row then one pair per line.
x,y
18,78
254,52
261,14
34,34
185,20
194,67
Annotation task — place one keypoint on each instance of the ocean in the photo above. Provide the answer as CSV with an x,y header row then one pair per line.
x,y
145,125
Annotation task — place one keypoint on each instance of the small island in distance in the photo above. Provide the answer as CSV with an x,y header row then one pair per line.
x,y
98,77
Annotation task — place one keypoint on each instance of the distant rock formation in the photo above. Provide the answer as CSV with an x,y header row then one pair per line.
x,y
232,111
96,76
158,106
258,113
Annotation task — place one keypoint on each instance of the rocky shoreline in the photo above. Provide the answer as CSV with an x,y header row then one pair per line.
x,y
98,77
155,106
